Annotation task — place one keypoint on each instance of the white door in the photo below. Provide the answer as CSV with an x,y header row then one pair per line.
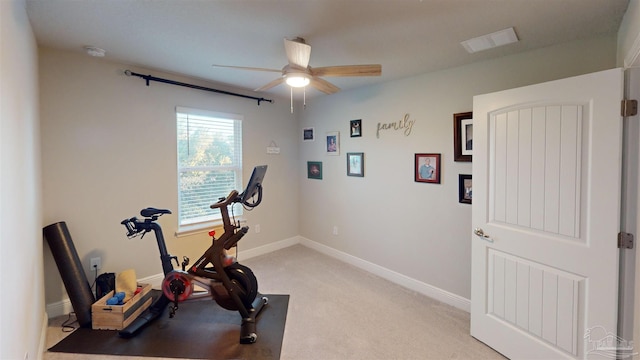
x,y
546,210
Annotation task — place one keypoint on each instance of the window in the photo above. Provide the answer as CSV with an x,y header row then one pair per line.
x,y
209,164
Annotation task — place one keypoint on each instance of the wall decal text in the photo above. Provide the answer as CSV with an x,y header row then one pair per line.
x,y
405,124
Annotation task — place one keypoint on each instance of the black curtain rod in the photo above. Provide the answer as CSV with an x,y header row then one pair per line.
x,y
148,78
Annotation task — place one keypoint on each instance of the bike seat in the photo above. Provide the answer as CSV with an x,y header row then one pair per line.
x,y
149,212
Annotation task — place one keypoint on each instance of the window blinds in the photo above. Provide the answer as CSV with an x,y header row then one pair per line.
x,y
209,162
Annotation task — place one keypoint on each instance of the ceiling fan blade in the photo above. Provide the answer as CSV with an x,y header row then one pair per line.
x,y
273,83
298,53
348,70
324,86
247,68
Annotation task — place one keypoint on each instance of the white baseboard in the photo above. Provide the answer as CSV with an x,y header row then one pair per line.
x,y
395,277
43,336
59,308
156,280
64,306
265,249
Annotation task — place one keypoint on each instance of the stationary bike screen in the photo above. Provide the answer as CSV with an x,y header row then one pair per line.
x,y
254,186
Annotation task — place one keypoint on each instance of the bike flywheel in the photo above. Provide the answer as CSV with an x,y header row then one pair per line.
x,y
177,284
245,285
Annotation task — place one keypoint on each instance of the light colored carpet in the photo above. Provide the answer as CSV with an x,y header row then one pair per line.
x,y
337,311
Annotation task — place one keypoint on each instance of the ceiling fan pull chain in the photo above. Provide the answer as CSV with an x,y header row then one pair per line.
x,y
304,98
291,99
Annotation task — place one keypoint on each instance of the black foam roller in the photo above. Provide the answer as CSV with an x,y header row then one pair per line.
x,y
70,267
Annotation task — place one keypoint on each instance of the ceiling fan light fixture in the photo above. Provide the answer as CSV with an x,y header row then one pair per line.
x,y
297,80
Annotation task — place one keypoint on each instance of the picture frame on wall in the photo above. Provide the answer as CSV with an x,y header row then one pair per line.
x,y
427,168
355,164
463,136
308,134
355,128
314,170
465,189
333,143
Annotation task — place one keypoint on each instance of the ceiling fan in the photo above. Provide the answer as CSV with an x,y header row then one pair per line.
x,y
298,73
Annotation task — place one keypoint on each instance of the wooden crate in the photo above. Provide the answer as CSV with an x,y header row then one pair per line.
x,y
117,317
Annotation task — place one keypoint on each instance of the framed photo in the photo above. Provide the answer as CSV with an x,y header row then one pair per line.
x,y
307,134
463,136
355,164
465,191
314,170
355,128
427,168
333,143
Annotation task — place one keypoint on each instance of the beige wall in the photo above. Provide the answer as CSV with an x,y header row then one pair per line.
x,y
109,150
22,304
418,230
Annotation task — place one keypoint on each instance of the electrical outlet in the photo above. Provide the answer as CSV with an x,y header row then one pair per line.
x,y
335,230
257,228
96,263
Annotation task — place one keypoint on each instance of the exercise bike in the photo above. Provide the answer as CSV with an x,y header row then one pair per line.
x,y
233,286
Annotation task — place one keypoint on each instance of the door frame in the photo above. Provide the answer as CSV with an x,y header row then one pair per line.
x,y
629,294
629,307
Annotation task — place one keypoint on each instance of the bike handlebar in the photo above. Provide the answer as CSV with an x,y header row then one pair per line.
x,y
230,199
135,226
131,227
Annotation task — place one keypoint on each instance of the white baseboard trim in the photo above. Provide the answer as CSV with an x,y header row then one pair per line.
x,y
265,249
59,308
395,277
64,306
156,280
42,345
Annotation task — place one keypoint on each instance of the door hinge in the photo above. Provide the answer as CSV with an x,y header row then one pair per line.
x,y
625,240
629,108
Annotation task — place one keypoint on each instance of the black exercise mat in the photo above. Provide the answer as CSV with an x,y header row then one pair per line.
x,y
199,330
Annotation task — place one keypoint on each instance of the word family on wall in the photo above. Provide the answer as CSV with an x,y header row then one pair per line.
x,y
405,124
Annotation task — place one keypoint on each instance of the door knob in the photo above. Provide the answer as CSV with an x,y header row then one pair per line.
x,y
479,232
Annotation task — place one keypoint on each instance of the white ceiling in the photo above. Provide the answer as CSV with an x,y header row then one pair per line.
x,y
407,37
